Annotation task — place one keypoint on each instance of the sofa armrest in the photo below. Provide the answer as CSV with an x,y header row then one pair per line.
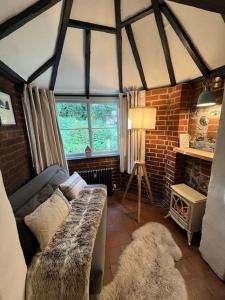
x,y
98,257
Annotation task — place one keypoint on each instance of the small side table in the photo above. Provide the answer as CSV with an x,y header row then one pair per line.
x,y
187,208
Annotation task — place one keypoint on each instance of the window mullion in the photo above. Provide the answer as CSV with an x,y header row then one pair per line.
x,y
89,125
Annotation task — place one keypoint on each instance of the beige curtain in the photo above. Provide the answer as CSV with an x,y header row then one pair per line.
x,y
130,139
44,135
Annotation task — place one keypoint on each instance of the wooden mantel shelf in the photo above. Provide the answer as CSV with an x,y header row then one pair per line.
x,y
195,153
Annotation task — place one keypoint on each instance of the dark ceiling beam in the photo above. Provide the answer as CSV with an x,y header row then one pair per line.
x,y
218,72
84,95
60,40
91,26
25,16
137,16
41,70
223,16
164,41
7,72
217,6
134,49
185,39
213,73
87,45
117,6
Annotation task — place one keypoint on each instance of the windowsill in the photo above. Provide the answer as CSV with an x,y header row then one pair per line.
x,y
80,157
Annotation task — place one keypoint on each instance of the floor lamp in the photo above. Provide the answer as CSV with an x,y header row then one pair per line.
x,y
140,118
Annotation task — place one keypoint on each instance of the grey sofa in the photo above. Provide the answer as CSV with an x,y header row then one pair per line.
x,y
30,196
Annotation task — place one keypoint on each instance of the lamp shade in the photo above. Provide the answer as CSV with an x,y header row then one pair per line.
x,y
206,98
142,118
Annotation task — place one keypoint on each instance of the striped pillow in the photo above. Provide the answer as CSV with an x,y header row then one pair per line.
x,y
72,186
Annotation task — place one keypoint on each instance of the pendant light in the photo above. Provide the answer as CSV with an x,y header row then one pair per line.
x,y
207,97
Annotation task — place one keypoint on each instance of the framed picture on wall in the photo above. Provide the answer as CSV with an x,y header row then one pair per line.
x,y
7,117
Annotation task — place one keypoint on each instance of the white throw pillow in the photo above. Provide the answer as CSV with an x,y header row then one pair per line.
x,y
72,186
45,220
13,268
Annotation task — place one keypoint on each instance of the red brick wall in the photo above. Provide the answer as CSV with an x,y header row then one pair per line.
x,y
172,118
177,122
98,162
163,165
156,140
15,159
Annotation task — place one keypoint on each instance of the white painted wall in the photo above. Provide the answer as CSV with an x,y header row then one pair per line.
x,y
151,52
27,48
94,11
70,77
212,245
11,8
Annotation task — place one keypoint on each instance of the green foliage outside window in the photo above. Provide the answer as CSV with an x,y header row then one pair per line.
x,y
73,123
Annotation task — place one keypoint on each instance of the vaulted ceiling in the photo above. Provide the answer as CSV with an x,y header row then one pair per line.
x,y
106,46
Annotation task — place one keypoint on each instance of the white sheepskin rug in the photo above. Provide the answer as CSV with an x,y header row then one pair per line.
x,y
147,268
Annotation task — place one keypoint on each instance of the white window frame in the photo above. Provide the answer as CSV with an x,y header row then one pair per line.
x,y
92,100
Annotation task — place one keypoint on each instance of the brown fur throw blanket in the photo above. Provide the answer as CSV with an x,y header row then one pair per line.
x,y
62,270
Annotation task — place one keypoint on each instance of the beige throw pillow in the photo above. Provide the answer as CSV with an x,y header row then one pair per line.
x,y
47,218
72,186
13,268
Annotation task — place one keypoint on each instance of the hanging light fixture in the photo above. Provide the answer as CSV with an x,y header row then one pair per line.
x,y
217,82
207,97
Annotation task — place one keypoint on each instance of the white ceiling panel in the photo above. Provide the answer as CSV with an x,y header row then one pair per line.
x,y
206,30
103,66
131,7
184,67
10,8
131,76
94,11
70,77
26,49
43,81
151,52
30,46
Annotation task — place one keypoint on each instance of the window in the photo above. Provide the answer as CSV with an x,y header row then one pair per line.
x,y
88,123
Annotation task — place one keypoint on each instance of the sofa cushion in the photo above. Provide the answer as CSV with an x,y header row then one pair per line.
x,y
28,198
12,264
48,217
72,186
28,240
35,201
60,177
70,252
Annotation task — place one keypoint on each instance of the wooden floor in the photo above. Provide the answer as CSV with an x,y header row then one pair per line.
x,y
201,282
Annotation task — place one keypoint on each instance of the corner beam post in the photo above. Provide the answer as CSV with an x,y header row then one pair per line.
x,y
41,69
87,44
217,6
134,49
91,26
60,40
185,39
10,74
138,16
164,41
117,5
25,16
